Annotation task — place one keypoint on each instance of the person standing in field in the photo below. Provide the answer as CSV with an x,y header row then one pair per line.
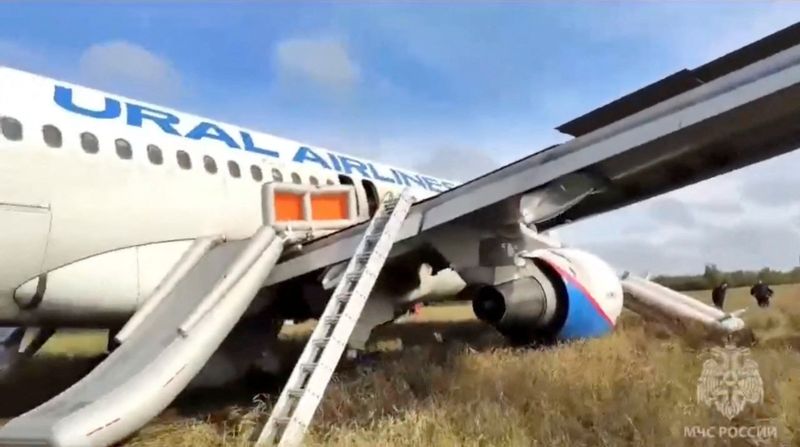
x,y
718,295
762,293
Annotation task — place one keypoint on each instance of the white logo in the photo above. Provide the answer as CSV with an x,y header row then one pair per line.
x,y
730,380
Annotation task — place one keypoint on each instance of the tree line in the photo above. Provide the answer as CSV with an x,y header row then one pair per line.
x,y
712,276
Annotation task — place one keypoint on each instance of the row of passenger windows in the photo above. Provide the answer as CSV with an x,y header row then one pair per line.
x,y
12,130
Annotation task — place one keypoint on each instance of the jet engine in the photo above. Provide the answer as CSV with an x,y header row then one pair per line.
x,y
554,294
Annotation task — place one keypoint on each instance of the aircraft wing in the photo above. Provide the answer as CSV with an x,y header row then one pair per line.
x,y
737,110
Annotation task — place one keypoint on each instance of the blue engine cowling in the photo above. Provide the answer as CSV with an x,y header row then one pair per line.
x,y
558,294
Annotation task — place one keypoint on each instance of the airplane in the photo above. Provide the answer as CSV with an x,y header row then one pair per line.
x,y
107,203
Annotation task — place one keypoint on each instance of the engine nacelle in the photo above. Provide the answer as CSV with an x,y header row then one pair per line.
x,y
557,294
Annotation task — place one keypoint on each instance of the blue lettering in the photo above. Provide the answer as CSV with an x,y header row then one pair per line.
x,y
416,179
137,114
377,176
304,154
397,177
63,97
433,185
336,165
168,123
350,163
251,147
203,130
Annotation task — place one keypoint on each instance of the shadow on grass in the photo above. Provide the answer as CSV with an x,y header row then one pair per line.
x,y
32,382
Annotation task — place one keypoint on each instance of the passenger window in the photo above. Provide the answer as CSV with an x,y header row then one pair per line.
x,y
11,128
209,164
89,143
296,178
154,154
51,135
276,175
372,196
123,149
255,171
184,161
234,170
330,182
314,181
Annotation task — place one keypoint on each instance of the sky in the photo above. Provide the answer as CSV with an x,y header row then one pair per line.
x,y
449,89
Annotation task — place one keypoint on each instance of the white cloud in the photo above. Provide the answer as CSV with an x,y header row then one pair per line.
x,y
123,65
746,219
324,61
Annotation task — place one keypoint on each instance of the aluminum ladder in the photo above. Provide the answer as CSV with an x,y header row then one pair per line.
x,y
303,391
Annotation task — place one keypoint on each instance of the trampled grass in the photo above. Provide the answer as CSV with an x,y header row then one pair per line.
x,y
446,380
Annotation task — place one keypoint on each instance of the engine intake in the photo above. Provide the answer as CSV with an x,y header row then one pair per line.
x,y
523,309
556,294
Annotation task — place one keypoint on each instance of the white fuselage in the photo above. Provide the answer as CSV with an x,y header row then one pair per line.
x,y
96,191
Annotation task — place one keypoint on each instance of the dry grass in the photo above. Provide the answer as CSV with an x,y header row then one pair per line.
x,y
636,387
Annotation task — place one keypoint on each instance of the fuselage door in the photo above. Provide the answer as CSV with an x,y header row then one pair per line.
x,y
361,197
23,240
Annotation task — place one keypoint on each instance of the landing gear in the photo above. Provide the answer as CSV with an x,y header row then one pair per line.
x,y
18,343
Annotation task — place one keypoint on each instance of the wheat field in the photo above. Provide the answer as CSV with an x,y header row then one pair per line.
x,y
445,379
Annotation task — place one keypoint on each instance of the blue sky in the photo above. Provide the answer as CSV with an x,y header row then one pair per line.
x,y
454,90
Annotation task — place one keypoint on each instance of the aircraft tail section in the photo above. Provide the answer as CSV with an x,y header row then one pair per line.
x,y
160,351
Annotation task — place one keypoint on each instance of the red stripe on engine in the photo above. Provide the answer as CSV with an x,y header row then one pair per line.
x,y
569,277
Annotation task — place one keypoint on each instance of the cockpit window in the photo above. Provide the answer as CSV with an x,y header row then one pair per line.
x,y
11,128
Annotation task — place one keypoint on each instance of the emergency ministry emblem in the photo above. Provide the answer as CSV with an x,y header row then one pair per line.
x,y
730,379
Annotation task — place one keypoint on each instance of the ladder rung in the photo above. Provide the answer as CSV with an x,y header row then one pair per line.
x,y
363,258
322,342
333,319
370,243
355,276
366,267
381,222
343,297
295,393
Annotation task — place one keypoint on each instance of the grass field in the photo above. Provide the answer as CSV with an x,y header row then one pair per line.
x,y
635,387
